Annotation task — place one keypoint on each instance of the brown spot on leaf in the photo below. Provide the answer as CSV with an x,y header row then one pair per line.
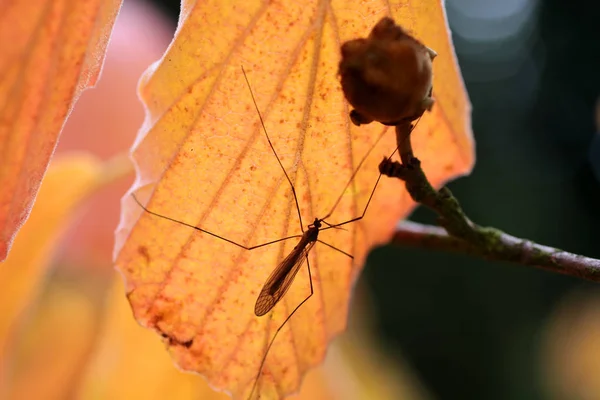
x,y
143,251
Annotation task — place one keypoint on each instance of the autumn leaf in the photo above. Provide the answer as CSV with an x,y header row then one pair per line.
x,y
131,363
50,52
69,180
202,158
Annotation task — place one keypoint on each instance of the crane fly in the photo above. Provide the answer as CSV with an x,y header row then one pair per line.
x,y
282,277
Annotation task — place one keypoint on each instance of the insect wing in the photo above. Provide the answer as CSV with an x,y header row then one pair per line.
x,y
281,278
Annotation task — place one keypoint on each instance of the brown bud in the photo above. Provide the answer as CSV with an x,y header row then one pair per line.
x,y
386,77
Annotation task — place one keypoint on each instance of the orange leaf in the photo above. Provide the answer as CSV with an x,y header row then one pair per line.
x,y
202,158
50,52
130,362
69,180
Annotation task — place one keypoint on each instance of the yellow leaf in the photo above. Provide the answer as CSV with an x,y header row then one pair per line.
x,y
47,356
203,159
50,51
68,181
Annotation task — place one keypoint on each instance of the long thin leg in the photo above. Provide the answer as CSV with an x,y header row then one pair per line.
x,y
210,233
262,122
335,248
354,175
372,191
370,197
262,363
284,172
364,211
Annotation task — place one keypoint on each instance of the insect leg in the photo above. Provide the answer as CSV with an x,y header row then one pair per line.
x,y
262,122
335,248
264,359
208,232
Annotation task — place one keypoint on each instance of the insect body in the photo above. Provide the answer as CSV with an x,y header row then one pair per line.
x,y
282,277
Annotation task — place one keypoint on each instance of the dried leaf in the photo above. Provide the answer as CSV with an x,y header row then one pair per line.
x,y
50,52
203,159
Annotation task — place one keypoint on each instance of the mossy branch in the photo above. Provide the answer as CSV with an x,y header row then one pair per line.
x,y
459,234
387,77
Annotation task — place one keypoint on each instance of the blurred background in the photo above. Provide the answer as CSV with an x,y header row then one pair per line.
x,y
451,327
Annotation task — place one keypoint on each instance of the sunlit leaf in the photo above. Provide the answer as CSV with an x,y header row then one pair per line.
x,y
130,362
203,159
50,51
68,181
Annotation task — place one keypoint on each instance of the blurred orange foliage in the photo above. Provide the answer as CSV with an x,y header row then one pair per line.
x,y
105,122
50,52
570,348
24,270
202,158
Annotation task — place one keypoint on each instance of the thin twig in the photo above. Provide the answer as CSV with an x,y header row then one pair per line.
x,y
460,234
508,248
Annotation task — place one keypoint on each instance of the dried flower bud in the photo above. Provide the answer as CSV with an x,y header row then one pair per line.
x,y
386,77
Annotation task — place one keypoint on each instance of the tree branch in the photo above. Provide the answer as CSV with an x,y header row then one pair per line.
x,y
460,234
387,77
508,248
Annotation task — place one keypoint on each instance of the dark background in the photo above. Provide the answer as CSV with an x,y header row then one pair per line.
x,y
471,329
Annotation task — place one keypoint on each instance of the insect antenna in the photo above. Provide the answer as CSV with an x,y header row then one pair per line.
x,y
209,232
